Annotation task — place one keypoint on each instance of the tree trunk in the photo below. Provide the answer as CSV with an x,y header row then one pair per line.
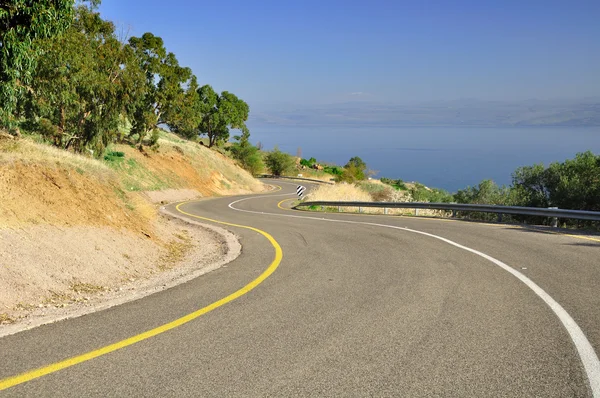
x,y
63,119
210,136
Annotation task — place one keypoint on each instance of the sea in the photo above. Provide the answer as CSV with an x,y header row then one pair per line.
x,y
450,158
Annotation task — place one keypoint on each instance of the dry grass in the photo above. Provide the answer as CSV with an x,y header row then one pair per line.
x,y
86,288
340,192
58,299
5,319
176,250
371,191
27,151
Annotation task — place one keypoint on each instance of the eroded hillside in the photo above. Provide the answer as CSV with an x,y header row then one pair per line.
x,y
72,227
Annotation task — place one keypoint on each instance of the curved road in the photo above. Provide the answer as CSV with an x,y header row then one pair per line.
x,y
356,306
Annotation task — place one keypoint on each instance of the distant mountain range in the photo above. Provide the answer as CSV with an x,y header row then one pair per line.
x,y
462,112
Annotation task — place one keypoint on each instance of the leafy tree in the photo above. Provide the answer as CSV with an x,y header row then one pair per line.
x,y
573,184
185,114
220,113
162,89
530,187
487,192
356,168
21,23
279,162
84,82
247,154
333,170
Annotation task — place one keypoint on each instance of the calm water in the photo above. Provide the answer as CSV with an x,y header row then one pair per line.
x,y
442,157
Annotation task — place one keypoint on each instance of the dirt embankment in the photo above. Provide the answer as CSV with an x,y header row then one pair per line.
x,y
75,232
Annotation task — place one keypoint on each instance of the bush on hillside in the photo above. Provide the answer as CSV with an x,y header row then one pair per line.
x,y
247,155
396,184
279,163
420,193
308,162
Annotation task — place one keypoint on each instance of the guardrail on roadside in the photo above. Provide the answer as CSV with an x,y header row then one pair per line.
x,y
553,213
295,178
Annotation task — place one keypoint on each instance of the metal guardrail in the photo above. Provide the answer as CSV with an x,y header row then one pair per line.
x,y
554,213
295,178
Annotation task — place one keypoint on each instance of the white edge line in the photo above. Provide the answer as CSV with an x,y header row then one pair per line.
x,y
591,363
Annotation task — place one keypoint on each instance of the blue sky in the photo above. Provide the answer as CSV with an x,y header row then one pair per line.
x,y
318,52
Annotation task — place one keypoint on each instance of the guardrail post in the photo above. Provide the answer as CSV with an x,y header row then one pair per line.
x,y
554,219
385,210
359,209
416,212
339,209
453,213
499,217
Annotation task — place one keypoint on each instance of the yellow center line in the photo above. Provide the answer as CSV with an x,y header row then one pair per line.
x,y
285,200
55,367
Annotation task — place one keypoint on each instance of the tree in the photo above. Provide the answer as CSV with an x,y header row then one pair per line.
x,y
22,22
220,113
487,192
354,170
246,154
279,162
162,88
573,184
85,80
530,187
185,114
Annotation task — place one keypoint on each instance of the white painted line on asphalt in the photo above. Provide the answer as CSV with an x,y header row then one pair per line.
x,y
591,363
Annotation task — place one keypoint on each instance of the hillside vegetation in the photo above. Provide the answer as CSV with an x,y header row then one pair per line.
x,y
35,173
68,221
571,184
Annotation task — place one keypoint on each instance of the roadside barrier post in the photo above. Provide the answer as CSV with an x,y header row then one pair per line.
x,y
554,219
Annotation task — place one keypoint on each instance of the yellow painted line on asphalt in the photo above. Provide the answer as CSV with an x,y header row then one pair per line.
x,y
285,200
55,367
276,186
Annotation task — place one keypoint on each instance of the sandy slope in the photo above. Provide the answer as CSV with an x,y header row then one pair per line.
x,y
75,230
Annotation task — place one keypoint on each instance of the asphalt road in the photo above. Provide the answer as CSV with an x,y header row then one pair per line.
x,y
353,308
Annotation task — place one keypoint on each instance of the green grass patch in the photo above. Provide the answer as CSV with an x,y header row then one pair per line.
x,y
114,156
398,184
136,177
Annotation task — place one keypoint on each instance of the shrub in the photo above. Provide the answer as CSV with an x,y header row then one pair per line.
x,y
396,184
114,156
279,162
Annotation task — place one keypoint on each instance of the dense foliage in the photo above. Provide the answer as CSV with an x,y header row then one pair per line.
x,y
572,184
280,163
21,23
396,184
66,74
247,155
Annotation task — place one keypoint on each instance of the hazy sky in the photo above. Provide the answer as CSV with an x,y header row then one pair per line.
x,y
303,52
